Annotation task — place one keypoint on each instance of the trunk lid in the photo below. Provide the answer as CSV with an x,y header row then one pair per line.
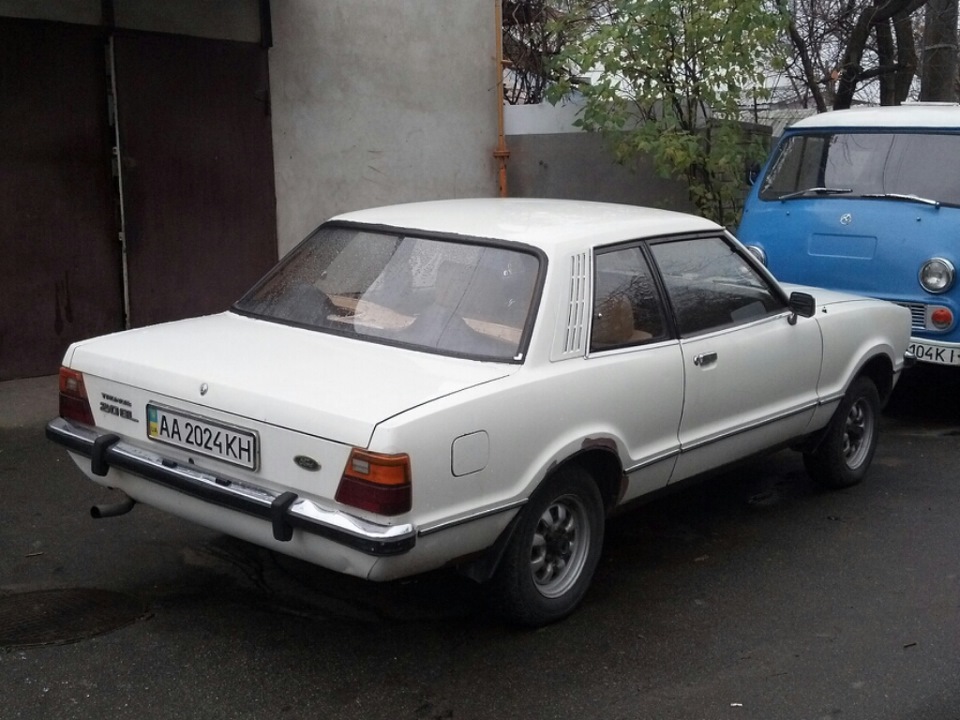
x,y
323,385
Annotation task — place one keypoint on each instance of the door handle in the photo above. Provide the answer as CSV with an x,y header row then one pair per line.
x,y
704,359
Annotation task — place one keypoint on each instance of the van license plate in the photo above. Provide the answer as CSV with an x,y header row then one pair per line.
x,y
206,437
934,354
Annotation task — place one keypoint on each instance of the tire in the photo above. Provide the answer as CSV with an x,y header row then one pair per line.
x,y
550,559
844,453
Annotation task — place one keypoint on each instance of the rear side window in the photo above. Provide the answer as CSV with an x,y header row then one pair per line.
x,y
626,306
711,285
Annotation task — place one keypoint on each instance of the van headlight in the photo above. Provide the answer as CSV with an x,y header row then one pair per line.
x,y
758,253
937,275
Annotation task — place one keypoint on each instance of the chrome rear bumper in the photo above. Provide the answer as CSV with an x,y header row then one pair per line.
x,y
284,511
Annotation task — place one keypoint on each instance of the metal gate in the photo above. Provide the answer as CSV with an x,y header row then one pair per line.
x,y
59,258
197,172
167,214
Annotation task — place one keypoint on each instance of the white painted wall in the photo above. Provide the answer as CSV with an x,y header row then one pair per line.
x,y
542,119
377,102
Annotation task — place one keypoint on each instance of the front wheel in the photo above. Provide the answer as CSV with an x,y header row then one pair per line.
x,y
845,452
550,560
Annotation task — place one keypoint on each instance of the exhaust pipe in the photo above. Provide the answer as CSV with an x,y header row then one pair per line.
x,y
113,510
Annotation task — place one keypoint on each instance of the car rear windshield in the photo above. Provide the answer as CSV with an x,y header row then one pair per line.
x,y
454,297
848,164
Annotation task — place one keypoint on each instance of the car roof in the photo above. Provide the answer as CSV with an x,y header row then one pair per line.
x,y
911,115
545,224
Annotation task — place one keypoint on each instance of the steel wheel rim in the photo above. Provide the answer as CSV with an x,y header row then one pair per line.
x,y
561,543
857,434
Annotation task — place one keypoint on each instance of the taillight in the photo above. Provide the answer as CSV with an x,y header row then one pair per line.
x,y
375,482
74,404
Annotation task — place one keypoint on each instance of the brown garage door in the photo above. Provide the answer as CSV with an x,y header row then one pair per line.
x,y
59,254
197,172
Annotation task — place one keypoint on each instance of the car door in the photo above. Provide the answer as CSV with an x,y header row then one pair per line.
x,y
635,360
750,365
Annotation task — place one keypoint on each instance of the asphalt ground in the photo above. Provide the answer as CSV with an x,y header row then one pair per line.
x,y
25,403
751,596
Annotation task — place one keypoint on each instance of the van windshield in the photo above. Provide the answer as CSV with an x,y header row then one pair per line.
x,y
856,164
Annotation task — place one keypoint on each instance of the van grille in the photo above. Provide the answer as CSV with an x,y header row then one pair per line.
x,y
918,315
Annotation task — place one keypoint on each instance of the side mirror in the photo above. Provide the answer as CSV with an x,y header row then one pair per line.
x,y
803,304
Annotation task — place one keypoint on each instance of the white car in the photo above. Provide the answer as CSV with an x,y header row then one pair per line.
x,y
479,383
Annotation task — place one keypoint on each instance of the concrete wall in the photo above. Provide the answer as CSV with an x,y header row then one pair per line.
x,y
549,157
377,102
578,166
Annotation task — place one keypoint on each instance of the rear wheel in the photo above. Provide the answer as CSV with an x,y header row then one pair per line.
x,y
845,452
549,563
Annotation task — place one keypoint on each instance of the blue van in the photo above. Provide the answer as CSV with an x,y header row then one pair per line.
x,y
868,201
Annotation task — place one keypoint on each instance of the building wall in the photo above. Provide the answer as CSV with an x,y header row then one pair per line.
x,y
579,166
377,102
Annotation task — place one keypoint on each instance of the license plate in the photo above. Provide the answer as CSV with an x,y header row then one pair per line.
x,y
934,354
206,437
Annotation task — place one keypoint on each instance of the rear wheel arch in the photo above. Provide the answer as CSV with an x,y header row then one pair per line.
x,y
599,462
603,465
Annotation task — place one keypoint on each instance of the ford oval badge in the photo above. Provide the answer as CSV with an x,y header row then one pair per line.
x,y
307,463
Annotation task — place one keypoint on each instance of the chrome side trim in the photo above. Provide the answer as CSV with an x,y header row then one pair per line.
x,y
653,460
754,425
835,397
285,511
731,433
470,517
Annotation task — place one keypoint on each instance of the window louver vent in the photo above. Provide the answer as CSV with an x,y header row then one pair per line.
x,y
574,339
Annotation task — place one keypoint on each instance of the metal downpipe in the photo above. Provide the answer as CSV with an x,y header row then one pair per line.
x,y
501,153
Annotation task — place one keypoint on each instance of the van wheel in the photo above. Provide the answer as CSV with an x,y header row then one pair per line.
x,y
550,560
845,452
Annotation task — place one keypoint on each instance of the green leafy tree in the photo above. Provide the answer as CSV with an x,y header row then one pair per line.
x,y
668,78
